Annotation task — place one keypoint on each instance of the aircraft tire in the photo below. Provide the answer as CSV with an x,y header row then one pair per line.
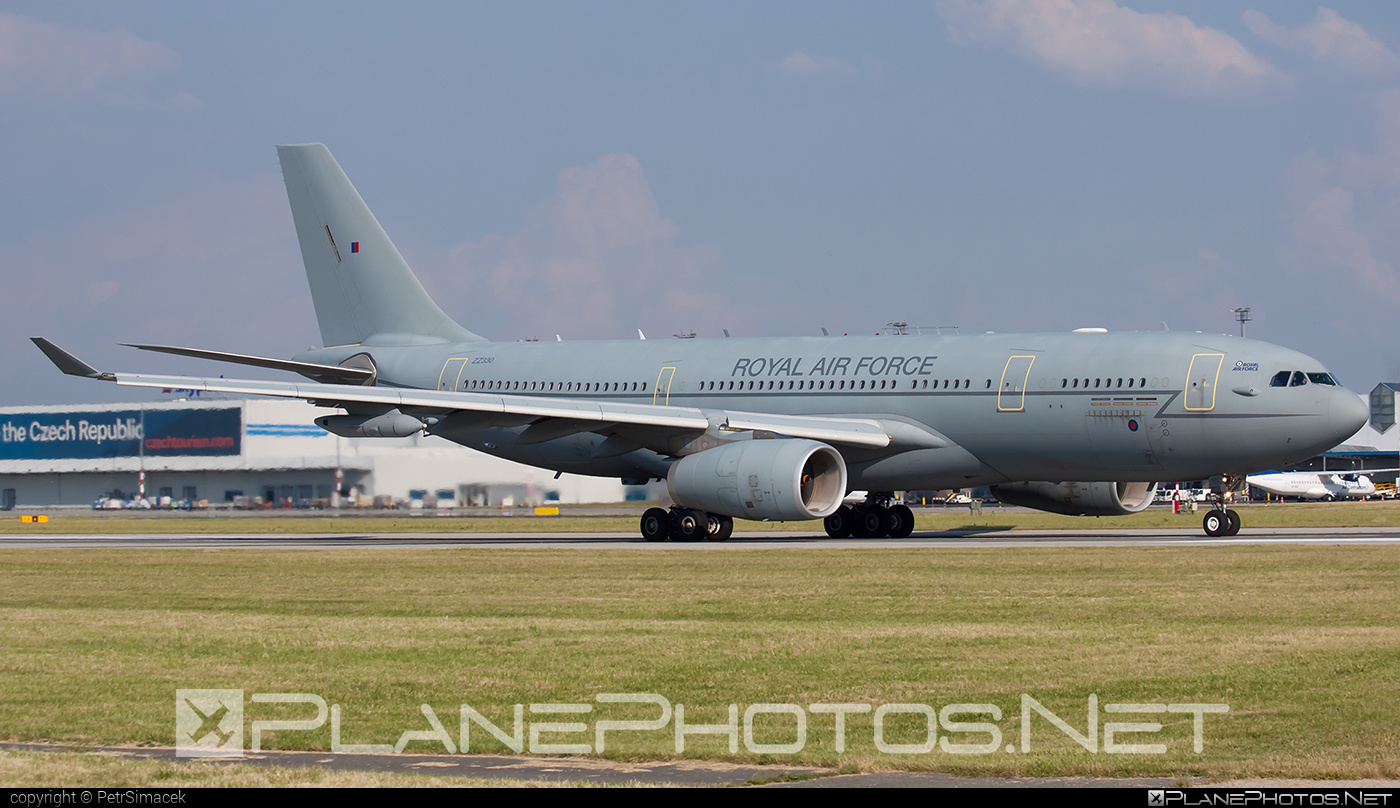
x,y
656,525
720,528
1235,521
872,523
1216,523
690,525
902,521
840,524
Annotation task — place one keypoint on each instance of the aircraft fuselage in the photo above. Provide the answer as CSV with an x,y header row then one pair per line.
x,y
1078,406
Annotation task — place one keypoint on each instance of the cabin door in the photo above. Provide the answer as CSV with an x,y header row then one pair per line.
x,y
449,378
661,394
1201,380
1011,394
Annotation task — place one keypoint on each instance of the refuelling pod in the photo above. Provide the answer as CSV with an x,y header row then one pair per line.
x,y
391,424
1079,499
783,479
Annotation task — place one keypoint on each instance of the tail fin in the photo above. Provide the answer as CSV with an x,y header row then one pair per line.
x,y
361,286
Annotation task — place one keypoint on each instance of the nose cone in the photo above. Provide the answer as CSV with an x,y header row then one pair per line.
x,y
1347,414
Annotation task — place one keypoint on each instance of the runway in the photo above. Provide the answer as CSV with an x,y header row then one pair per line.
x,y
768,540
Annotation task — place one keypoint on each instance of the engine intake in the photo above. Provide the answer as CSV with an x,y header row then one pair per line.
x,y
783,479
1079,499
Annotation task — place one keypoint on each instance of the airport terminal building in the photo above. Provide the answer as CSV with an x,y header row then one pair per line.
x,y
254,452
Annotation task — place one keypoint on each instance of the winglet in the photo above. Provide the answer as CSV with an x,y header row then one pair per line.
x,y
68,363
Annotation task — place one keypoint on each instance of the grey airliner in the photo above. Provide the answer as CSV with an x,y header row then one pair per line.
x,y
783,429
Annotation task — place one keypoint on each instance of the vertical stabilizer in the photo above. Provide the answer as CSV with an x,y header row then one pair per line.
x,y
361,286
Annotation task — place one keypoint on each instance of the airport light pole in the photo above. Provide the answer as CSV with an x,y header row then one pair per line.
x,y
1242,314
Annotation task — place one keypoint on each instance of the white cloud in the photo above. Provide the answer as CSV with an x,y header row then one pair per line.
x,y
1327,230
799,64
1342,243
803,64
1098,42
596,259
51,64
1329,39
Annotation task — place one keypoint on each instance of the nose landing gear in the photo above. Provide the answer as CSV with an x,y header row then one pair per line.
x,y
1219,520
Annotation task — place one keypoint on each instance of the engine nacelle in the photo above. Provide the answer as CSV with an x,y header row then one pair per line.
x,y
783,479
1079,499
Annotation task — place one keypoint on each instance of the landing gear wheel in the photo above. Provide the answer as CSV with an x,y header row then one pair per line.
x,y
656,525
872,523
1216,523
690,525
720,528
1234,527
902,520
840,524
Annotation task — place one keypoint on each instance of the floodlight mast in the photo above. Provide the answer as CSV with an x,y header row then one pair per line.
x,y
1242,314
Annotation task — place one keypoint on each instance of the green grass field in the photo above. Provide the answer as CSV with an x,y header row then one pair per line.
x,y
1302,643
578,519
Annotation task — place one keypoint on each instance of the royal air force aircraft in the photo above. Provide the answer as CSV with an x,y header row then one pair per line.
x,y
783,429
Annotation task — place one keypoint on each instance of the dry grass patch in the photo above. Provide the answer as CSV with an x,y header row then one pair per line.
x,y
1301,642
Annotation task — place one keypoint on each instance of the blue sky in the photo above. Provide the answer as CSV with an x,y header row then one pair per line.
x,y
588,169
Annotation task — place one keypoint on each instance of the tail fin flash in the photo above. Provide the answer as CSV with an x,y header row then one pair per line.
x,y
362,288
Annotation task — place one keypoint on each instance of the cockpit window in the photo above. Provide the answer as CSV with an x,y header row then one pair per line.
x,y
1322,378
1299,379
1280,379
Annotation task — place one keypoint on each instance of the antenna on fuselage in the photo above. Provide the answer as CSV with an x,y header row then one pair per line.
x,y
640,335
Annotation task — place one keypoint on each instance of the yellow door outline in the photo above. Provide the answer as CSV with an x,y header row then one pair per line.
x,y
1203,380
451,379
1013,389
659,393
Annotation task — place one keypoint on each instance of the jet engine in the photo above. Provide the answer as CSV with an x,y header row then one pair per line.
x,y
781,479
1079,499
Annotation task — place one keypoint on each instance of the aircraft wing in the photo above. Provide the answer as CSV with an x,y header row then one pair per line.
x,y
576,414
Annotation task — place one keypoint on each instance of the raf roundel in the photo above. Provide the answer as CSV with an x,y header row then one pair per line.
x,y
1132,424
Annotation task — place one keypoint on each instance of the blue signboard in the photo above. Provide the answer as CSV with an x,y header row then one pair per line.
x,y
120,433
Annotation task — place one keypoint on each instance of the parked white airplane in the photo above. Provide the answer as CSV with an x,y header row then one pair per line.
x,y
1316,484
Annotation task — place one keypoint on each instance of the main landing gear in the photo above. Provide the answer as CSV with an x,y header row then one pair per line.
x,y
1219,520
875,519
685,524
